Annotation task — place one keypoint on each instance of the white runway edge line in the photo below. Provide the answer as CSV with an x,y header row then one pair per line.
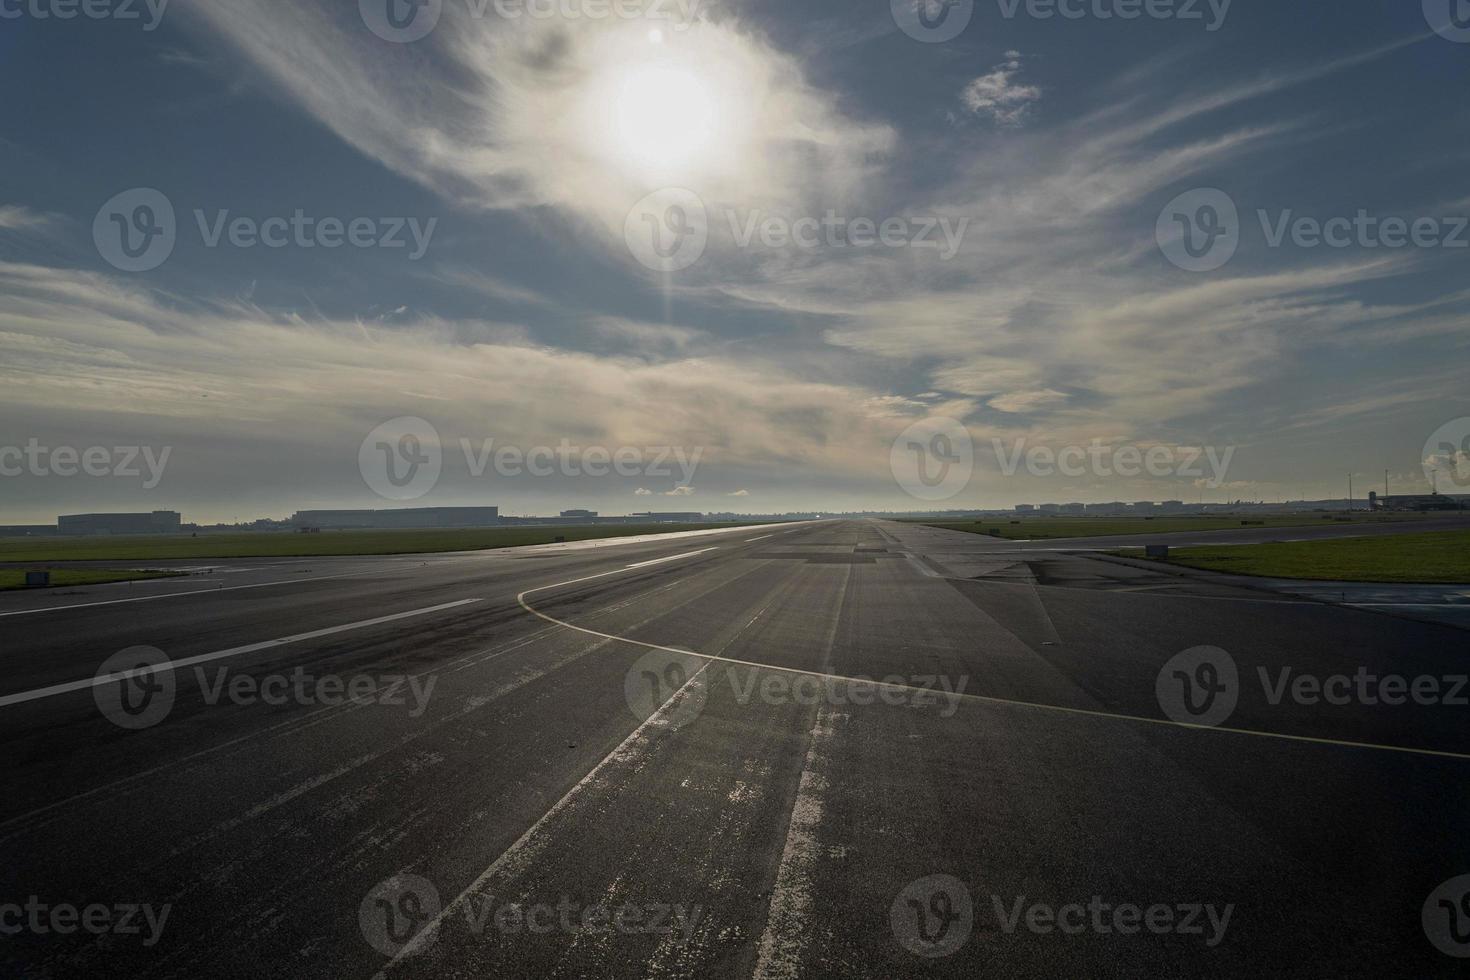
x,y
981,698
174,595
56,689
475,555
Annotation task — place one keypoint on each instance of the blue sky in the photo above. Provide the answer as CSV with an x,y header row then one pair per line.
x,y
527,146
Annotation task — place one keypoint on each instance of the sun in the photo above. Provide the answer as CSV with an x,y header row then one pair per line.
x,y
664,118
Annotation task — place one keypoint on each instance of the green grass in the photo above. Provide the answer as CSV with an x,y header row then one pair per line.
x,y
281,544
1433,557
1045,528
15,578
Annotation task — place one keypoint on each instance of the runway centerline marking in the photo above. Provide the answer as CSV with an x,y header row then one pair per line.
x,y
172,665
981,698
660,561
428,933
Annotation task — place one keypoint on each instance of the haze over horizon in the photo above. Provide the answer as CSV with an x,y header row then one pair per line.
x,y
889,231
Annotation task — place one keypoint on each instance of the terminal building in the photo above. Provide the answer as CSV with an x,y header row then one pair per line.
x,y
155,522
400,517
1418,501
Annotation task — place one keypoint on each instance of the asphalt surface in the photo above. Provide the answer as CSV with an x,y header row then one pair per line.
x,y
536,779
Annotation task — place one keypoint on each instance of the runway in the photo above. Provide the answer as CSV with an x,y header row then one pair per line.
x,y
836,748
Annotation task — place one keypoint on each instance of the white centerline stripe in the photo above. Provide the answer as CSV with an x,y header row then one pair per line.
x,y
55,689
425,936
659,561
761,538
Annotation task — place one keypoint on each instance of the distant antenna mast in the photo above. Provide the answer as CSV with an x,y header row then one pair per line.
x,y
1350,491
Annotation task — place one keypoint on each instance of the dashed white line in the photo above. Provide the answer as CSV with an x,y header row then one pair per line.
x,y
660,561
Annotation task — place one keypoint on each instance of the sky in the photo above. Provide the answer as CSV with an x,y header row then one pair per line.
x,y
680,255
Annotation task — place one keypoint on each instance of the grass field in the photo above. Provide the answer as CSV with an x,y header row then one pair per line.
x,y
1045,528
15,578
1432,557
145,547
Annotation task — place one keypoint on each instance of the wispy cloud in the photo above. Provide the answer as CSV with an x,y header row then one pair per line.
x,y
998,95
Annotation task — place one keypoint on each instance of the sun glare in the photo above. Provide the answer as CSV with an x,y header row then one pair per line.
x,y
664,118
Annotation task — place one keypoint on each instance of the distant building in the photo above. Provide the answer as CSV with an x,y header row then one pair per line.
x,y
1418,501
580,514
400,517
156,522
1073,509
1050,508
683,517
1172,506
1110,509
27,530
1025,508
